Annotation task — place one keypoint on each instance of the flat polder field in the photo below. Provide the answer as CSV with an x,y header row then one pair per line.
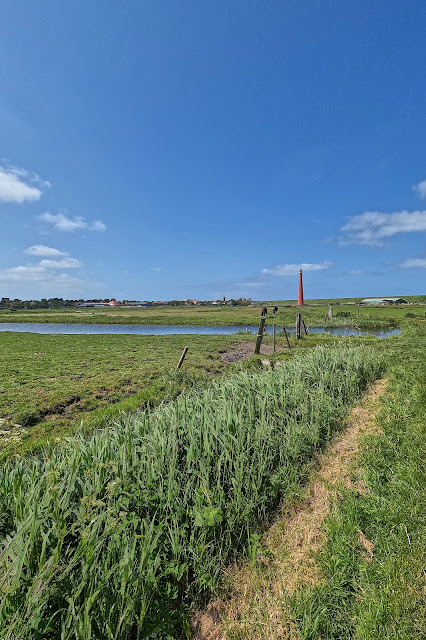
x,y
128,488
347,312
52,384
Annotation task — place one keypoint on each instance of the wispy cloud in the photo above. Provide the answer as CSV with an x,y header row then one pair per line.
x,y
413,263
36,275
155,268
372,228
97,225
19,185
45,278
61,259
63,263
293,269
420,188
44,252
63,222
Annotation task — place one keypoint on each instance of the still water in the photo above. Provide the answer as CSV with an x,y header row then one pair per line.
x,y
160,330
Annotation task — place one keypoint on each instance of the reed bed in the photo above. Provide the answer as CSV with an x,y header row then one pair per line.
x,y
114,537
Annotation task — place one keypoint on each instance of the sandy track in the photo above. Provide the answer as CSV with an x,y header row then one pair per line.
x,y
256,606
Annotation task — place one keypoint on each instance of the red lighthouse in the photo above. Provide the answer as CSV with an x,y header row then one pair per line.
x,y
300,299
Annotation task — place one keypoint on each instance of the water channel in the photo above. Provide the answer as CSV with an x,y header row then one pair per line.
x,y
161,330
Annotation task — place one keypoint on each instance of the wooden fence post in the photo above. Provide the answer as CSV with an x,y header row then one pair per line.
x,y
304,326
286,337
182,358
298,326
260,334
275,337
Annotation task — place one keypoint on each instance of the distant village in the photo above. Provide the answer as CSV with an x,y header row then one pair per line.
x,y
57,303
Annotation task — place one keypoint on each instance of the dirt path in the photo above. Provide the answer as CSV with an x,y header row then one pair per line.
x,y
258,592
244,351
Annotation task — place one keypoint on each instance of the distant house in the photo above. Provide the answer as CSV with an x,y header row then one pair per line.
x,y
93,304
113,303
138,303
373,301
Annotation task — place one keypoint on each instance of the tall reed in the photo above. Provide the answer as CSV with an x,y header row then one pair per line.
x,y
114,536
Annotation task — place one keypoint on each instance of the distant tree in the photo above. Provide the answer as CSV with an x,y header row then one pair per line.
x,y
56,303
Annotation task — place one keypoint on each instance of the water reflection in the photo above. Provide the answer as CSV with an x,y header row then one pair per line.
x,y
160,330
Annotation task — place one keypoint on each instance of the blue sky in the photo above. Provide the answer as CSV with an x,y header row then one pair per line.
x,y
174,149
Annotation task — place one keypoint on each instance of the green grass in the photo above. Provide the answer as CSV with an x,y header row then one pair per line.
x,y
117,535
49,383
243,316
384,598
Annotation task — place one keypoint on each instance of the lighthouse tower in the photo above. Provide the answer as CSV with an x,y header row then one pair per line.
x,y
300,298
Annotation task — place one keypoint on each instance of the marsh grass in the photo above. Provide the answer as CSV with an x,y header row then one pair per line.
x,y
116,536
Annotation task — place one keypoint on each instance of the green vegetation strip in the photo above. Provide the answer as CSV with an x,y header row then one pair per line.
x,y
115,536
348,315
383,596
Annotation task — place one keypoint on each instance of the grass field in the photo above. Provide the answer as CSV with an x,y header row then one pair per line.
x,y
344,315
118,535
49,383
129,528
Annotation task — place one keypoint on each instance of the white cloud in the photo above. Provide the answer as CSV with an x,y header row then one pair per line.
x,y
372,227
44,252
64,263
293,269
34,274
97,225
45,278
421,189
62,222
18,185
155,268
414,263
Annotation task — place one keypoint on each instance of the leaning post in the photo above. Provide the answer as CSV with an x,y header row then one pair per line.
x,y
182,358
275,337
286,337
260,334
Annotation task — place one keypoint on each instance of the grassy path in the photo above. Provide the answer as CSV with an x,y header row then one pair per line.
x,y
348,563
262,587
380,593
